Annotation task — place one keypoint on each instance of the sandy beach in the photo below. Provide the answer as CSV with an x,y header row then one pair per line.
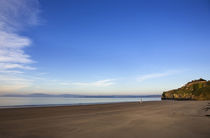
x,y
174,119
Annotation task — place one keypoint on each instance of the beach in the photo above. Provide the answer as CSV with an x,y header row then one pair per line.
x,y
174,119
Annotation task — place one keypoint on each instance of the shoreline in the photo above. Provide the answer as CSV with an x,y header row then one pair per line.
x,y
60,105
87,101
150,119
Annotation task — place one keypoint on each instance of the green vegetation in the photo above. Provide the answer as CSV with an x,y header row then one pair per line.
x,y
194,90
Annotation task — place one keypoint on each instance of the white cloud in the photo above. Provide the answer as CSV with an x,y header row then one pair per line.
x,y
99,83
12,40
11,51
5,66
156,75
11,83
15,16
10,72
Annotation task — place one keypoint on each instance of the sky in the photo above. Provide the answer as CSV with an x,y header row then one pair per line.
x,y
102,47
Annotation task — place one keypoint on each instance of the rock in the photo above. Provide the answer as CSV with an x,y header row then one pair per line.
x,y
194,90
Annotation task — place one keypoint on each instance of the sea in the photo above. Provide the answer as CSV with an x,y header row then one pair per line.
x,y
23,102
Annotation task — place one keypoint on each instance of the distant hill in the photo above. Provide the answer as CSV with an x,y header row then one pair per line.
x,y
194,90
79,96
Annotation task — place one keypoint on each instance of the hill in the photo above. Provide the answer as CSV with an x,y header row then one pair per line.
x,y
194,90
79,96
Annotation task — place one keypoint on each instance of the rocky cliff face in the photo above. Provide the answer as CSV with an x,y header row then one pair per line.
x,y
194,90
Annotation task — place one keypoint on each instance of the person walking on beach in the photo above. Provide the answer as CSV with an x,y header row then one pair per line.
x,y
141,100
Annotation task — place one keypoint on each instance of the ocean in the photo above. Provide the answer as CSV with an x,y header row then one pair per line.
x,y
19,102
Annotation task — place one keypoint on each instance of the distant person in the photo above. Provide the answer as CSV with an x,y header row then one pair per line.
x,y
141,101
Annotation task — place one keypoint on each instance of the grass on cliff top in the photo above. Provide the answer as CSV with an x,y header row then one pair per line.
x,y
195,89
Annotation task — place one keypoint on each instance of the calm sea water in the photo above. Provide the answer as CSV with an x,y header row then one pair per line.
x,y
8,102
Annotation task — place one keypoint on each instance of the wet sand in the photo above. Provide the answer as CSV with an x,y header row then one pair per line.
x,y
174,119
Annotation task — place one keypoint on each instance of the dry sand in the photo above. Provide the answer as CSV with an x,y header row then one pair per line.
x,y
165,119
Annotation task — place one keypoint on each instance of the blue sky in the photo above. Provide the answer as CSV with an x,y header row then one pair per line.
x,y
102,46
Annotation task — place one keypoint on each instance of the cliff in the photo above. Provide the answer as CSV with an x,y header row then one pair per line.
x,y
194,90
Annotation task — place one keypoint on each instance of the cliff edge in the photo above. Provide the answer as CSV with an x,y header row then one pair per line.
x,y
194,90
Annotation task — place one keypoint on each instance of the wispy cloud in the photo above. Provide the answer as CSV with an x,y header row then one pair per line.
x,y
11,51
10,72
15,16
99,83
157,75
6,66
10,83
